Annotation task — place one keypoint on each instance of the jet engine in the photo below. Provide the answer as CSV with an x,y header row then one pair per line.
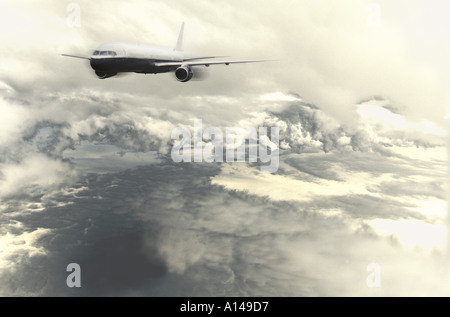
x,y
184,73
103,75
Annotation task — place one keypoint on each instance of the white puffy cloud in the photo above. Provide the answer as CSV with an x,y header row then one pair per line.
x,y
34,175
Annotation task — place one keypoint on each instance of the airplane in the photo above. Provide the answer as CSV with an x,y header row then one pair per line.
x,y
110,59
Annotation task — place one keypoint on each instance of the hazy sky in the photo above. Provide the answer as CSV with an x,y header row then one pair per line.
x,y
334,54
359,91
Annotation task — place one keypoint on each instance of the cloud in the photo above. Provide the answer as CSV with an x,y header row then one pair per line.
x,y
34,176
304,127
25,243
166,229
13,122
208,220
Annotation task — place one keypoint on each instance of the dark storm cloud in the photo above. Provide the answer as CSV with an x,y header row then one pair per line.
x,y
117,251
49,138
105,118
56,122
165,230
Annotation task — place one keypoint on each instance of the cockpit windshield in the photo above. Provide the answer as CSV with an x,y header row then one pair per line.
x,y
105,53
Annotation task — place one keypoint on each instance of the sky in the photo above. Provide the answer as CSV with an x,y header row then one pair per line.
x,y
359,91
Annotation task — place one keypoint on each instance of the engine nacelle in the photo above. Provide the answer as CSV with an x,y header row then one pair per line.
x,y
103,75
183,73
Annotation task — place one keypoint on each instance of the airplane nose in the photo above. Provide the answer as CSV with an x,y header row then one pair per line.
x,y
93,63
98,64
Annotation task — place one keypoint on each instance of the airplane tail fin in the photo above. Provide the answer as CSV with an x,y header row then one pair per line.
x,y
179,46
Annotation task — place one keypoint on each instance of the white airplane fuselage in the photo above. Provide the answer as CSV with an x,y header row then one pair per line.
x,y
109,59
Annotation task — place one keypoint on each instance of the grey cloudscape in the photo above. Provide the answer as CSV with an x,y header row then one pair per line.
x,y
103,118
86,174
170,225
191,243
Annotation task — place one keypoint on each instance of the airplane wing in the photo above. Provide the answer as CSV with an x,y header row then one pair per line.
x,y
77,56
203,57
206,63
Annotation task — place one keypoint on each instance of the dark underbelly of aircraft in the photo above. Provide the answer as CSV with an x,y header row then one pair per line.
x,y
120,65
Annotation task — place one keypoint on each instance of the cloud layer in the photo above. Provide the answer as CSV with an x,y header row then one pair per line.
x,y
86,175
